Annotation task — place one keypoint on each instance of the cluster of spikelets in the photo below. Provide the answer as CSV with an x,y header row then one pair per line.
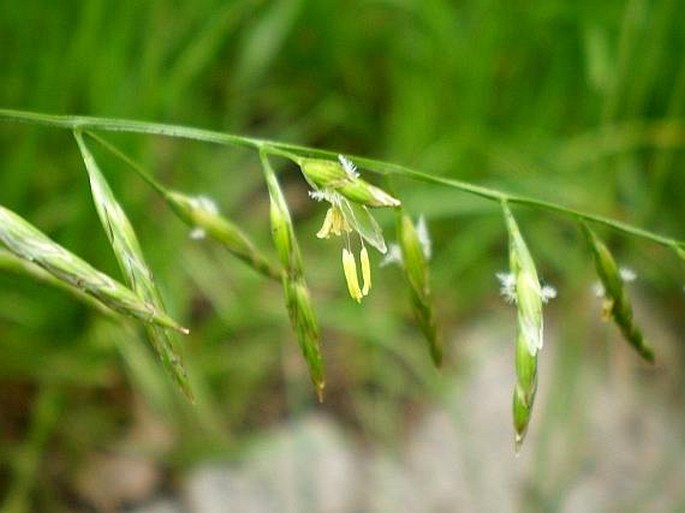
x,y
350,200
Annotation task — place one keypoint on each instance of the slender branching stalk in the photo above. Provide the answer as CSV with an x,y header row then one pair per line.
x,y
294,151
200,214
334,179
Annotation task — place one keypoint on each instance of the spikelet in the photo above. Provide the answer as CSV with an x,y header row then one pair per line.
x,y
27,242
12,263
528,297
616,302
195,213
303,320
298,299
524,390
132,263
342,177
414,258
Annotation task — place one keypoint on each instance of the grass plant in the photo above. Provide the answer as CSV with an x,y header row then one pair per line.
x,y
567,115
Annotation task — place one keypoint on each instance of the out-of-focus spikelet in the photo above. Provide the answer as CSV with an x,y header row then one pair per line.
x,y
681,252
616,302
415,265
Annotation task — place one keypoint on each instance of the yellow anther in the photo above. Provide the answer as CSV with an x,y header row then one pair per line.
x,y
325,230
350,270
334,223
366,270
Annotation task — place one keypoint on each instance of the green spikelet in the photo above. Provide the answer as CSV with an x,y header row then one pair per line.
x,y
298,299
616,302
132,263
28,243
196,213
200,213
416,270
529,323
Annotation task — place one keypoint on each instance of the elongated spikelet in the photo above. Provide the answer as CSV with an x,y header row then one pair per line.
x,y
298,299
528,297
524,390
27,242
218,227
133,266
303,320
616,302
415,264
528,291
14,264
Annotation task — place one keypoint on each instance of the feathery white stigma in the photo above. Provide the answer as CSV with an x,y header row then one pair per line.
x,y
507,287
349,167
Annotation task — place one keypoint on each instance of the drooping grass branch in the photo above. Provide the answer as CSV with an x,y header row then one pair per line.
x,y
293,151
334,179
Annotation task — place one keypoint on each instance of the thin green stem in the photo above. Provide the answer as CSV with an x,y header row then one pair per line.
x,y
86,123
140,170
295,152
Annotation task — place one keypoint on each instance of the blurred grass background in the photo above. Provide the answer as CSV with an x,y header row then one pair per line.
x,y
564,101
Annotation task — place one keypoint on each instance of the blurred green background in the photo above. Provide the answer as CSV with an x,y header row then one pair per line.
x,y
575,102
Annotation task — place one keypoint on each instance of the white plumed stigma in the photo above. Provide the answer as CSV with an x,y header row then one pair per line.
x,y
349,167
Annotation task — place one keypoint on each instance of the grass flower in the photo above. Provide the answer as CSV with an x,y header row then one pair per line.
x,y
508,289
345,217
341,220
342,177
